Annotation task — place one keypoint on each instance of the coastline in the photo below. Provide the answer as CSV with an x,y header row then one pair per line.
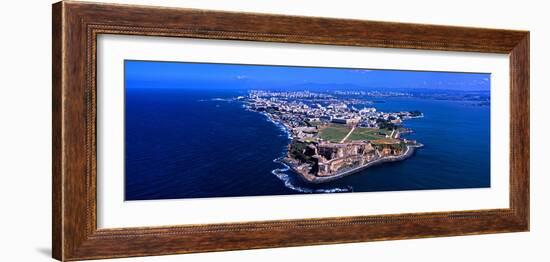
x,y
318,180
283,175
281,125
313,179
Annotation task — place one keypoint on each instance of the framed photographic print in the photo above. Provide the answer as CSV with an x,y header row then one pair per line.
x,y
182,130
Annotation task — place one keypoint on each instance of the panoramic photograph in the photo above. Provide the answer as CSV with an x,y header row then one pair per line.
x,y
200,130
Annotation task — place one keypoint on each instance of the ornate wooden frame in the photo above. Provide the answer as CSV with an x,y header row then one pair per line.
x,y
76,26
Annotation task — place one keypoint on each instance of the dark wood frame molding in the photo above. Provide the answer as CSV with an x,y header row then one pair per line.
x,y
76,26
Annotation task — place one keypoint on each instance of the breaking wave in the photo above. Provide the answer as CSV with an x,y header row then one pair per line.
x,y
216,99
285,174
290,181
280,126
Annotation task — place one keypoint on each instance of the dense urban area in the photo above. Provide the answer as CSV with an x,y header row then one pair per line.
x,y
331,138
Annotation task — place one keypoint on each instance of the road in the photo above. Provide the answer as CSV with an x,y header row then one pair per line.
x,y
346,137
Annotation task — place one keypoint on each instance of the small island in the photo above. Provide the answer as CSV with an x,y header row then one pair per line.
x,y
330,138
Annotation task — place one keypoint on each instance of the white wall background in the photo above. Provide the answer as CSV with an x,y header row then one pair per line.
x,y
25,114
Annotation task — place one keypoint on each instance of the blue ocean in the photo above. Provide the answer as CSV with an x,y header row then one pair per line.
x,y
199,143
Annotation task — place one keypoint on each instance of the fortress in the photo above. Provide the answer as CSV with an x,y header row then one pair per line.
x,y
331,138
326,159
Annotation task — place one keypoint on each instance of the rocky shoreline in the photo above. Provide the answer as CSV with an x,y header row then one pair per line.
x,y
333,140
310,178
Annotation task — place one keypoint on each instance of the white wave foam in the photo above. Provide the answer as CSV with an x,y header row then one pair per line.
x,y
282,174
279,125
287,180
217,99
221,99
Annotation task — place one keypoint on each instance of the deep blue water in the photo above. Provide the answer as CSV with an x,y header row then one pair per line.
x,y
183,143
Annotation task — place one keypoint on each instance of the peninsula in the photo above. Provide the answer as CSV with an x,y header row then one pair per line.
x,y
331,138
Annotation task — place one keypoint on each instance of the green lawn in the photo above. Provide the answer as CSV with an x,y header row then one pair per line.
x,y
386,141
366,134
334,133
